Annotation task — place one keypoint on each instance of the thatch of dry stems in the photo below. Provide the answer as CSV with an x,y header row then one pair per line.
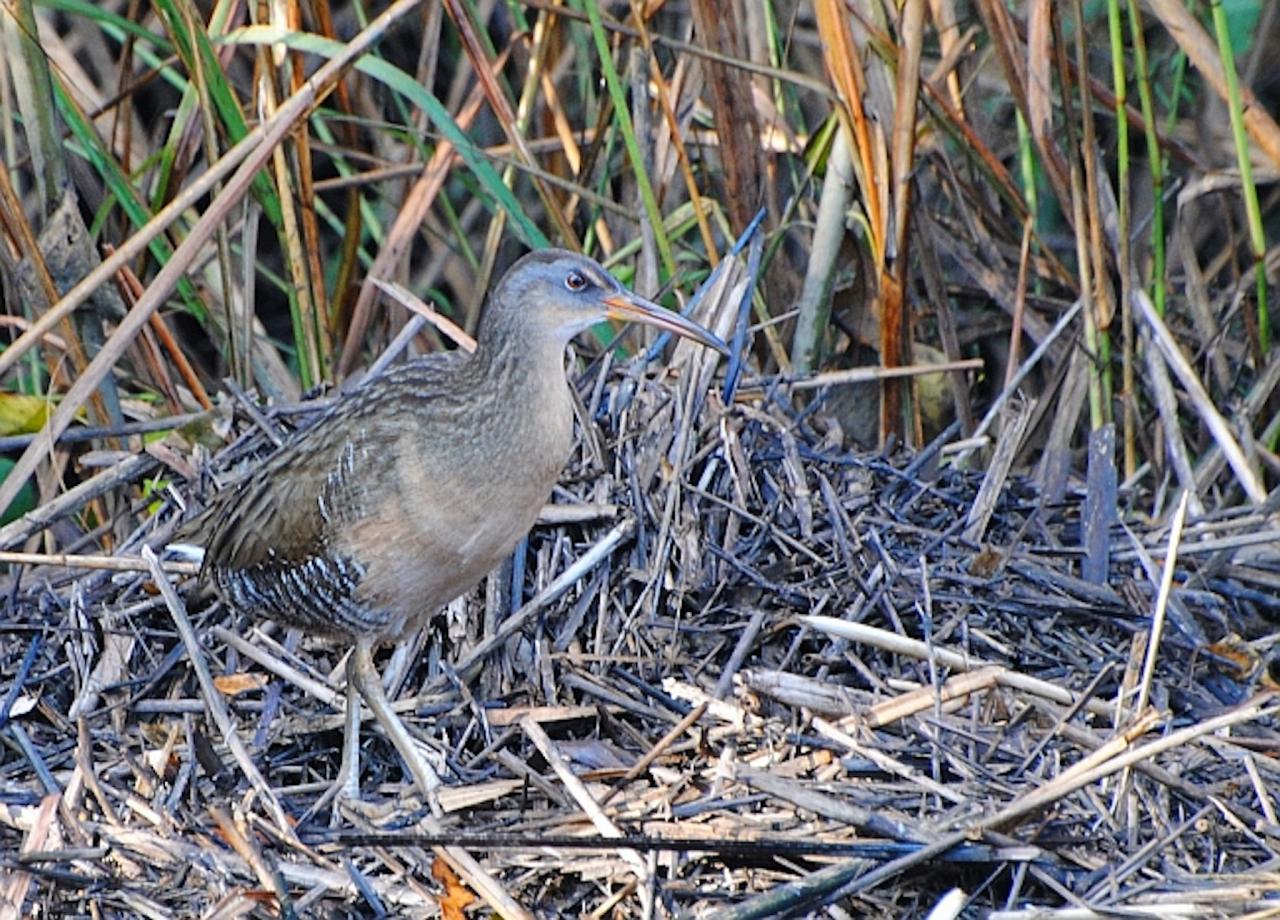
x,y
731,672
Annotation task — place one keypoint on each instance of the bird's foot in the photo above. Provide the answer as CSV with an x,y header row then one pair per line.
x,y
343,798
346,807
349,808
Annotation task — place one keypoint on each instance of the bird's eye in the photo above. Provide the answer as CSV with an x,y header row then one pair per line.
x,y
575,280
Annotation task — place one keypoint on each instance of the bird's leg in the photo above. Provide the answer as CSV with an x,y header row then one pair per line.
x,y
349,773
346,788
364,675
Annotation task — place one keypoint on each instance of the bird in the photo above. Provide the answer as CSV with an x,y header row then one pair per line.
x,y
410,488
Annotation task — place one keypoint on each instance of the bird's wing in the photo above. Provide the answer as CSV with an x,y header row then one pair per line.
x,y
276,513
271,546
326,477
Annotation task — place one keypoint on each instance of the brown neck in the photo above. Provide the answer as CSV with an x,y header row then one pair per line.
x,y
524,385
513,361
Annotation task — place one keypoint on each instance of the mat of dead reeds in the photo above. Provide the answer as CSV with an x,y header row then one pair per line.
x,y
743,672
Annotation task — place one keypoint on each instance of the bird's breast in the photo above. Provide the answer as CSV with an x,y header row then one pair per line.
x,y
458,507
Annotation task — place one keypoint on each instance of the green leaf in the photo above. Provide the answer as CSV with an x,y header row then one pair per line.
x,y
25,499
404,84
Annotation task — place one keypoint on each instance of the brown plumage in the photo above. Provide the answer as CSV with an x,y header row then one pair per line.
x,y
410,489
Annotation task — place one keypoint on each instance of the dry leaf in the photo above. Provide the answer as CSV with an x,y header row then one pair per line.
x,y
457,897
235,684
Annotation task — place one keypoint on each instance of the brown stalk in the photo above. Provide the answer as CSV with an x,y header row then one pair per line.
x,y
132,288
733,109
403,231
249,155
24,240
895,326
486,71
1024,86
312,244
677,141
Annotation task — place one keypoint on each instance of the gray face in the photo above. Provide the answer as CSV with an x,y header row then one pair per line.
x,y
557,291
556,294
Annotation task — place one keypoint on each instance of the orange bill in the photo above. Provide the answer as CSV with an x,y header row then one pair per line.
x,y
635,309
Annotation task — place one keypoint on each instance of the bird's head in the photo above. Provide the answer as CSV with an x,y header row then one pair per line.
x,y
559,293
